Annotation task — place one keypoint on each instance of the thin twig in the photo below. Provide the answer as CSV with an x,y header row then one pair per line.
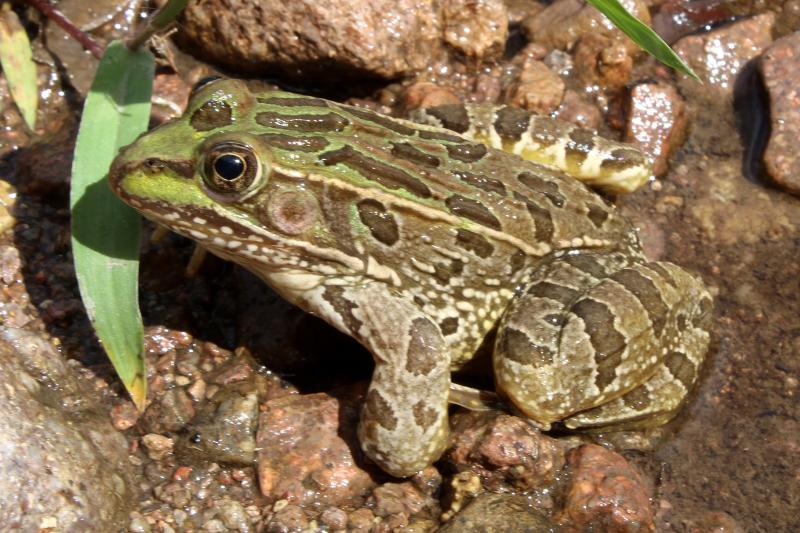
x,y
56,16
160,20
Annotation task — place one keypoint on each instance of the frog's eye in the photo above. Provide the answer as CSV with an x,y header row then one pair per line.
x,y
231,168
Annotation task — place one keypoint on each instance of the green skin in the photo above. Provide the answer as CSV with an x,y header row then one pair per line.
x,y
422,244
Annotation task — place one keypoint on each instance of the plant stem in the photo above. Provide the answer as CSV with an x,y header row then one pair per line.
x,y
160,20
56,16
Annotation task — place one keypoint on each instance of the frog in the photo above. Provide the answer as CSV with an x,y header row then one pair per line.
x,y
463,231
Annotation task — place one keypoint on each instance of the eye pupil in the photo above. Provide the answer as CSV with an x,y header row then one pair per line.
x,y
229,166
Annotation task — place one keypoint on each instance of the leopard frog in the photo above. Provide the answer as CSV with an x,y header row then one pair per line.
x,y
426,245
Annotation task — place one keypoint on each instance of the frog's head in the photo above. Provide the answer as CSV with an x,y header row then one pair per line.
x,y
213,175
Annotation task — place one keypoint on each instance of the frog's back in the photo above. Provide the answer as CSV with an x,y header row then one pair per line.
x,y
432,174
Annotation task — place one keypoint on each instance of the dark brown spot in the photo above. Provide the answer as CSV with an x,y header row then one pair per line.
x,y
482,182
580,143
553,291
474,242
680,320
323,122
388,176
424,348
542,219
433,135
377,408
663,272
299,101
211,115
589,264
622,159
424,416
334,295
554,319
648,295
518,347
336,203
442,275
472,210
637,399
380,222
517,261
381,120
598,215
548,188
681,367
452,116
449,325
467,152
511,123
288,142
608,343
415,155
702,318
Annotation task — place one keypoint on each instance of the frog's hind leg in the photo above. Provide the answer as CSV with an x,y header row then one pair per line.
x,y
608,165
590,328
403,425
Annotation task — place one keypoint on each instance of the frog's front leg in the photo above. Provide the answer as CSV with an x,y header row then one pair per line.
x,y
403,426
596,340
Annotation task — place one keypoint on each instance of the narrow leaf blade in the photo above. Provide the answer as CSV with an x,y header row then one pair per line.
x,y
642,35
17,61
105,232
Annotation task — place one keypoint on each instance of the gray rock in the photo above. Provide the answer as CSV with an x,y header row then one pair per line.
x,y
62,465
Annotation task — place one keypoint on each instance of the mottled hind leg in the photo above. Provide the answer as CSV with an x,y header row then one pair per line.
x,y
590,328
403,426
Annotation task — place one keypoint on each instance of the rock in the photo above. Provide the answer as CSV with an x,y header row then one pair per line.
x,y
426,94
563,22
476,28
676,18
65,468
305,448
506,513
158,446
331,39
8,197
719,55
605,494
601,62
395,503
579,111
288,518
657,122
715,522
503,449
780,70
537,89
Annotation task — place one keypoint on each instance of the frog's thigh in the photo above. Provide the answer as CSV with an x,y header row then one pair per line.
x,y
589,329
403,424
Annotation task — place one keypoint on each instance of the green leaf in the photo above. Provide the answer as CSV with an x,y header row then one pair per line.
x,y
642,35
105,232
18,66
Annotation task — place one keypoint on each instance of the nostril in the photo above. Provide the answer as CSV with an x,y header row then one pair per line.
x,y
153,164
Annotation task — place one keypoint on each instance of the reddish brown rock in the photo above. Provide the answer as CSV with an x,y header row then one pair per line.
x,y
676,18
504,449
306,448
780,70
426,94
563,22
579,111
381,38
605,494
657,122
601,61
718,56
537,89
476,28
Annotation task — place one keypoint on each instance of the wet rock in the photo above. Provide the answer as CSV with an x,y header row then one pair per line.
x,y
780,70
158,446
395,503
490,513
504,449
288,518
657,122
306,448
579,111
715,522
426,94
8,196
677,18
476,28
718,56
563,22
43,167
334,38
605,494
169,411
537,89
601,62
64,466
